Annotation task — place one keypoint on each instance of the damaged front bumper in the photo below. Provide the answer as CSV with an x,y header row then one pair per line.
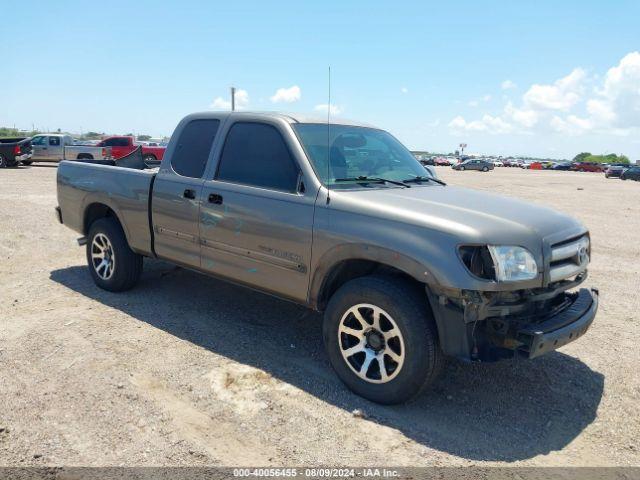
x,y
539,338
488,326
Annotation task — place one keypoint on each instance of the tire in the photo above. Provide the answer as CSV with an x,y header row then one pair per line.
x,y
485,169
85,156
400,305
106,239
462,169
3,161
26,162
149,158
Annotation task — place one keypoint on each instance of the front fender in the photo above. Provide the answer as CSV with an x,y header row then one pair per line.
x,y
362,251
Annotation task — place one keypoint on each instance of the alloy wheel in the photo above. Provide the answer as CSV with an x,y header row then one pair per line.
x,y
371,343
102,256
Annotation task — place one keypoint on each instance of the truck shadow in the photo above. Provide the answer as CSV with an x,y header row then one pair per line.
x,y
493,412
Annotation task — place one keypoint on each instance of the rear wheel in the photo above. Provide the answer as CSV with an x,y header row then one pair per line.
x,y
113,265
149,158
85,156
26,162
3,161
381,339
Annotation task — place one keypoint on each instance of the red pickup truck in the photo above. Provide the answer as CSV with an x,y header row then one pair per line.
x,y
587,167
124,145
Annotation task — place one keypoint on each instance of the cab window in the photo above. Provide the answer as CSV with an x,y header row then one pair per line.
x,y
194,145
255,154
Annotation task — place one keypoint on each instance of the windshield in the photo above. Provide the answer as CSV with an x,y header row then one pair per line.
x,y
356,153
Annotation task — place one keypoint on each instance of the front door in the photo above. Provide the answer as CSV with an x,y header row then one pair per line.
x,y
40,147
177,193
256,219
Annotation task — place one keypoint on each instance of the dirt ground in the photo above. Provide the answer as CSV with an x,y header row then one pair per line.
x,y
188,370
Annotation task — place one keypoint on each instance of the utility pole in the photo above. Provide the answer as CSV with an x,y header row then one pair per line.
x,y
233,99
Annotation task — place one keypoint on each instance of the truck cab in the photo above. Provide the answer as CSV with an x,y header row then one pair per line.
x,y
49,147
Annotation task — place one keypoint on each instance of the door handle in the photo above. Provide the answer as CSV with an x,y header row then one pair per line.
x,y
189,193
215,198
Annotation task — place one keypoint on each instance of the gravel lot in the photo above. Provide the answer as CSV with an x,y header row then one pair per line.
x,y
188,370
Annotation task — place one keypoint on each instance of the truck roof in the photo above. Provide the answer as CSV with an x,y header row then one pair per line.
x,y
286,116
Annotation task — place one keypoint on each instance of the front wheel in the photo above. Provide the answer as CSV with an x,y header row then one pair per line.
x,y
381,339
3,161
462,169
485,169
149,158
113,265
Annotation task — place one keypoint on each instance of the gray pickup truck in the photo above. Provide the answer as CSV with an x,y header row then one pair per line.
x,y
55,147
343,219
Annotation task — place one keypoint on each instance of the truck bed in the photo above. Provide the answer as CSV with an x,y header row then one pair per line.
x,y
125,191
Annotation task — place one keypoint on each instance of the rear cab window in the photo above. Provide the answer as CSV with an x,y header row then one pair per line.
x,y
256,154
190,157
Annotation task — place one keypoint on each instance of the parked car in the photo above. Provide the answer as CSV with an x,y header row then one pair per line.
x,y
55,147
13,151
587,167
405,268
474,165
427,161
562,166
614,171
442,162
498,163
124,145
632,173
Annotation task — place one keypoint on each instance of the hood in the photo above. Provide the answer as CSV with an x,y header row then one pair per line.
x,y
471,215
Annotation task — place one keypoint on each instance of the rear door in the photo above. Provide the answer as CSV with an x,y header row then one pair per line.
x,y
40,147
177,193
56,146
256,217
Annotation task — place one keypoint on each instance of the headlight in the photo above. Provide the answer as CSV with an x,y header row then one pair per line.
x,y
513,263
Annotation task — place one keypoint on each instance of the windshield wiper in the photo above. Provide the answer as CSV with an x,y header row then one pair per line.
x,y
365,179
418,179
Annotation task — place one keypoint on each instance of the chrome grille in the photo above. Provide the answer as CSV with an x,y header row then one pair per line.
x,y
569,258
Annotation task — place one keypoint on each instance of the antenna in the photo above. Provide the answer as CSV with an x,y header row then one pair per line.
x,y
329,138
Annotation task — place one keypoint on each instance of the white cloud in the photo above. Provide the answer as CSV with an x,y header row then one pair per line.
x,y
561,95
615,108
404,90
242,101
335,109
507,85
287,95
524,117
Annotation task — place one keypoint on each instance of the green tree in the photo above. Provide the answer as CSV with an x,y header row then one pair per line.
x,y
581,157
144,138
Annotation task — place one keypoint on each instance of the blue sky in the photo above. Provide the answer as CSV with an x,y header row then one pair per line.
x,y
540,78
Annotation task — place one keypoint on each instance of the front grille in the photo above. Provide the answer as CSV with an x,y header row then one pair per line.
x,y
569,258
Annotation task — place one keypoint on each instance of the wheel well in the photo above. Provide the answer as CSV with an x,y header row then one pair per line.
x,y
147,155
96,211
85,156
350,269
